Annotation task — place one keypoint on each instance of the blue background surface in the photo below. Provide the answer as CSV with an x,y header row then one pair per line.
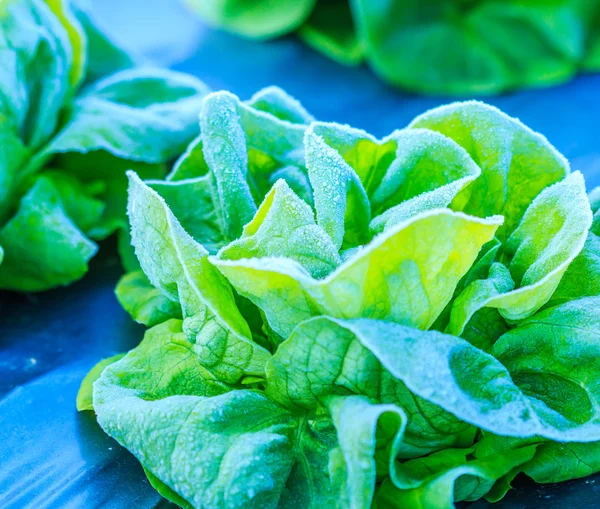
x,y
53,457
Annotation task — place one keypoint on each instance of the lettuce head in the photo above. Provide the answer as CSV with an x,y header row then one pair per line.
x,y
75,114
339,319
449,47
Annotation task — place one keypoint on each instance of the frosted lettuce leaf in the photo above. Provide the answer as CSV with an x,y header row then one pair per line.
x,y
396,277
428,172
284,226
263,131
582,278
238,447
177,265
425,161
202,444
379,428
341,202
540,355
515,391
367,156
243,149
407,172
278,103
224,428
321,359
594,197
516,163
255,141
203,221
270,106
226,154
549,237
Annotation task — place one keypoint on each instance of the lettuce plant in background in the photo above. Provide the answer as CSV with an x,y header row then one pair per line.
x,y
75,114
456,47
338,319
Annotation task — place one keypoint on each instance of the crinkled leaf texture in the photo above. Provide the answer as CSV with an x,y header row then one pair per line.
x,y
450,48
65,152
357,322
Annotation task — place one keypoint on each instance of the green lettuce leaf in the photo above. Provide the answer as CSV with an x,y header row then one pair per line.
x,y
278,103
466,49
582,278
145,303
77,40
556,462
407,172
43,247
516,163
177,265
260,19
550,236
202,221
243,149
331,31
35,83
449,476
519,390
285,226
553,461
203,445
379,430
85,395
341,202
40,71
396,277
143,115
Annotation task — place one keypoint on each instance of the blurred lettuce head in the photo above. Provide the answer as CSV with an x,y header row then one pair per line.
x,y
345,320
75,114
449,47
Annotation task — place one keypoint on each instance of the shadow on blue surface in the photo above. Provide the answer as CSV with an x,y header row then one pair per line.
x,y
51,456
